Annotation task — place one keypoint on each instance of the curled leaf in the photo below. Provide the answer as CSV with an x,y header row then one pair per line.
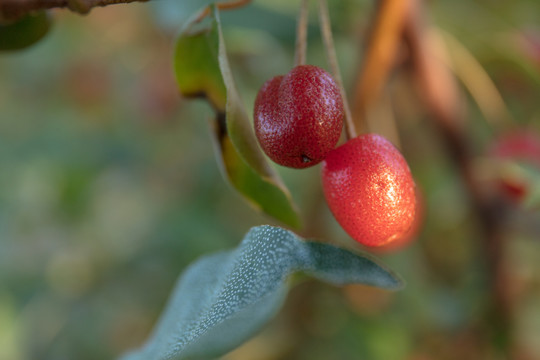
x,y
24,32
202,70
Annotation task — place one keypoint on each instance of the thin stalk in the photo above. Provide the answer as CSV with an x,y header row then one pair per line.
x,y
326,33
301,34
477,81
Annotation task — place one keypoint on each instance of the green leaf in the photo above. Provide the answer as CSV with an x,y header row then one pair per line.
x,y
238,123
202,70
24,32
222,300
197,68
263,194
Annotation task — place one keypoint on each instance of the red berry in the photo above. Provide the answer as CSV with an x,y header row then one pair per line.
x,y
298,117
369,189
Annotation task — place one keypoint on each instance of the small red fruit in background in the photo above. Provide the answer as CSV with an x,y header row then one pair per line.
x,y
299,116
519,147
370,190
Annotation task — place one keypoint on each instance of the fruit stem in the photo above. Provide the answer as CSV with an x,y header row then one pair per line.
x,y
301,34
380,58
326,34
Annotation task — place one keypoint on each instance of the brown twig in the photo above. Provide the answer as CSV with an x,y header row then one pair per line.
x,y
381,53
441,97
326,33
15,9
301,34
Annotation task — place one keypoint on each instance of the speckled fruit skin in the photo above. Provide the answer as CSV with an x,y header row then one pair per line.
x,y
412,234
299,116
369,189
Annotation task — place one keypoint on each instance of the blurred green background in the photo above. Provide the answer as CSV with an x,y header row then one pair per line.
x,y
109,188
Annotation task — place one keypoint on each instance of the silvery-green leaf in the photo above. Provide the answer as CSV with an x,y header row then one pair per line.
x,y
224,299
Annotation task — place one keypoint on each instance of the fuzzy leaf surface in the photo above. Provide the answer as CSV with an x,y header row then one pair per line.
x,y
222,300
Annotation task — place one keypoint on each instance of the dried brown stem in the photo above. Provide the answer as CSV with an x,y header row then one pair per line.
x,y
14,9
326,33
301,34
381,53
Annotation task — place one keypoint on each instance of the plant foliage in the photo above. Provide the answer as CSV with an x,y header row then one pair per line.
x,y
223,299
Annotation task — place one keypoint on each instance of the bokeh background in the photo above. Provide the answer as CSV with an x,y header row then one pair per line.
x,y
109,188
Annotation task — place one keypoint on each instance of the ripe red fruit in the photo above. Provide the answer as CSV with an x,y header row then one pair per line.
x,y
369,189
298,116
